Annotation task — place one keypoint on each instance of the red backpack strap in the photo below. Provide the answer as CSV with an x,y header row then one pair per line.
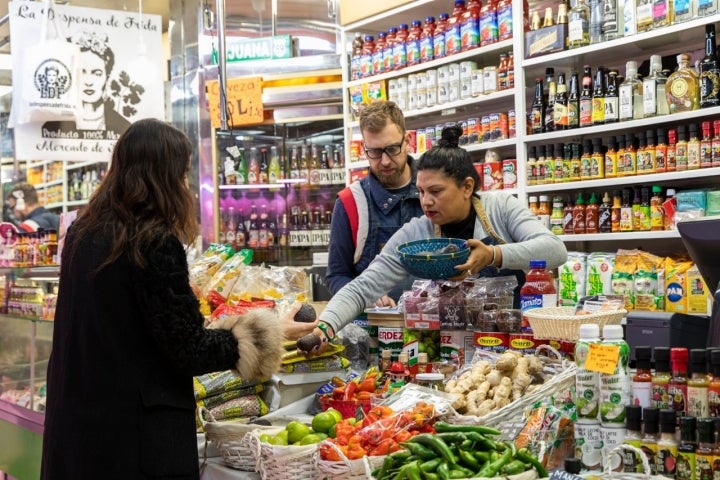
x,y
348,200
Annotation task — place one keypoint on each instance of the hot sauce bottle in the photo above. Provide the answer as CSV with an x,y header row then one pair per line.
x,y
642,380
685,466
661,379
714,387
678,385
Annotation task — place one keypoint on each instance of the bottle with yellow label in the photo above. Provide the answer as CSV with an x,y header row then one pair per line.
x,y
649,441
683,86
657,214
611,158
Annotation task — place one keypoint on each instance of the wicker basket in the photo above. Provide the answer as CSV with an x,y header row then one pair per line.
x,y
345,469
563,379
561,323
230,439
279,462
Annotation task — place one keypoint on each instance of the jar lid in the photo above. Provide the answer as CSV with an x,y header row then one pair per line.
x,y
429,377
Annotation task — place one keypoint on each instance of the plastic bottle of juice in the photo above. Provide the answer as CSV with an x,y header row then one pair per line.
x,y
357,45
378,66
470,26
615,388
453,37
538,291
439,35
398,47
504,19
412,43
427,50
388,57
488,23
366,57
587,383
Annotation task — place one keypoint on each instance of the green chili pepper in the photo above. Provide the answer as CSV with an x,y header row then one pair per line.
x,y
513,467
481,440
430,476
386,466
466,445
452,437
454,473
492,468
513,448
468,459
431,465
438,445
412,471
481,456
443,471
400,454
466,471
421,451
524,455
449,427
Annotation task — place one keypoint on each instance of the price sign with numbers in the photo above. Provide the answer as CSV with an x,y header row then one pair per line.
x,y
602,358
244,101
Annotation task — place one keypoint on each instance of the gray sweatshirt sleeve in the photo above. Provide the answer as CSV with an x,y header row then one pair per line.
x,y
383,273
527,239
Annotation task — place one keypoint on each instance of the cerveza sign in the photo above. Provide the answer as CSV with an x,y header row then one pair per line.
x,y
266,48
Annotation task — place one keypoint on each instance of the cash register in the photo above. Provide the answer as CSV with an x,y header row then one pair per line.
x,y
701,238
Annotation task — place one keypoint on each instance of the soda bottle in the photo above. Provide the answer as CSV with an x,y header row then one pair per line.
x,y
615,388
412,43
453,37
538,291
274,166
427,49
253,167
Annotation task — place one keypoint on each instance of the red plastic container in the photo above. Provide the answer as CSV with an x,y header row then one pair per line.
x,y
348,408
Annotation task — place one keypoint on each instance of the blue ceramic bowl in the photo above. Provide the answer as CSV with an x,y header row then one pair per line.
x,y
423,258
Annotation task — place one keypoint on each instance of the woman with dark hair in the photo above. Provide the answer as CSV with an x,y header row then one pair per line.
x,y
128,334
502,234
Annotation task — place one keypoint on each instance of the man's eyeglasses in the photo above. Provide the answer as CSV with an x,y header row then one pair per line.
x,y
391,151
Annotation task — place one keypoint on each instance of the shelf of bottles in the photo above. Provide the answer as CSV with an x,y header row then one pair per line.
x,y
276,196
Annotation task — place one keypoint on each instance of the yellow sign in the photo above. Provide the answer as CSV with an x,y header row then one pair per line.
x,y
602,358
244,101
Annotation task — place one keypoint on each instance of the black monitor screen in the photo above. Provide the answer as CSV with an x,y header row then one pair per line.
x,y
701,237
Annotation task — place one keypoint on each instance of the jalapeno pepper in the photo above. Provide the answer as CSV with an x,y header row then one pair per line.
x,y
452,437
443,471
386,466
431,465
454,473
449,427
430,476
514,467
481,441
412,471
468,459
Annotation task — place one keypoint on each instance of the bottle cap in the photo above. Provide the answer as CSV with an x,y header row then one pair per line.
x,y
698,360
429,19
679,354
670,192
642,357
633,417
532,199
688,424
630,68
650,419
537,264
706,430
613,332
422,357
573,465
668,419
589,330
657,189
544,198
430,377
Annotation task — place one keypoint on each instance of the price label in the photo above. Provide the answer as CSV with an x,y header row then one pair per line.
x,y
602,358
244,101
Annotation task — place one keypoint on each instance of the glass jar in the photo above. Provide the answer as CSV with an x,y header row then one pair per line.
x,y
434,381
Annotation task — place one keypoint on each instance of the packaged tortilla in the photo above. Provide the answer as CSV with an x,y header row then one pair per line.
x,y
571,278
600,266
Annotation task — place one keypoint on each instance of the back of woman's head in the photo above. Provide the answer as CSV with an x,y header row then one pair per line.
x,y
144,195
447,156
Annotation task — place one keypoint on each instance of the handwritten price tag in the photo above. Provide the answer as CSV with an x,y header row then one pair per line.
x,y
244,101
602,358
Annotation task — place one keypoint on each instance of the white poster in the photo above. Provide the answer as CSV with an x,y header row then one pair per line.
x,y
120,78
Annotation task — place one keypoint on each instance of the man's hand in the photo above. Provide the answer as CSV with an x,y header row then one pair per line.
x,y
385,301
314,343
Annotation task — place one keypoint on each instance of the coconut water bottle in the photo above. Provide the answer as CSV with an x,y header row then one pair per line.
x,y
587,383
615,388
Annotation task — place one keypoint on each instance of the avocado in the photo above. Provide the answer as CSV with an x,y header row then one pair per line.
x,y
306,314
308,343
450,248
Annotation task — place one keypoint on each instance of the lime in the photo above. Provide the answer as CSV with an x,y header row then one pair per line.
x,y
323,421
310,439
332,433
336,413
296,431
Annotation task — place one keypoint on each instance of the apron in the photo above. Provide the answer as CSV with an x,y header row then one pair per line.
x,y
493,239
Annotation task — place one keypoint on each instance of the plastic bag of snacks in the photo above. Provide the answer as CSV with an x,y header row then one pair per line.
x,y
219,286
202,269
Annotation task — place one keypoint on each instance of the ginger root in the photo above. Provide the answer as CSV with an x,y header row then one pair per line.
x,y
520,378
507,361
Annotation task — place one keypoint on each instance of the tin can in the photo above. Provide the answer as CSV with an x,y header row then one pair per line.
x,y
432,87
429,137
525,342
473,130
421,140
392,89
466,69
454,72
456,346
476,83
612,435
412,91
588,445
412,144
466,87
492,176
511,124
401,93
509,173
421,100
443,93
491,341
453,91
463,140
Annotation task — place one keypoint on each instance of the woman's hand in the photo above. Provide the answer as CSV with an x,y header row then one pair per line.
x,y
481,256
294,330
317,342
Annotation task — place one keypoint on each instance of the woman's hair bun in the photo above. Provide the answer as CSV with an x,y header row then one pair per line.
x,y
451,136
